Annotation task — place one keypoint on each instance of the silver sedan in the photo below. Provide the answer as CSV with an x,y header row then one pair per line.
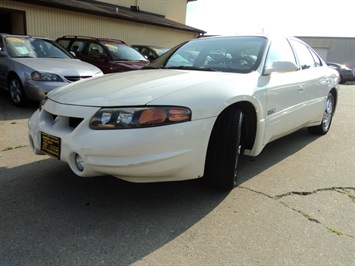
x,y
30,67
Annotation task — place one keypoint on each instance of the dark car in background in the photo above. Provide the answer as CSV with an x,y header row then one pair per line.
x,y
149,51
109,55
346,74
31,66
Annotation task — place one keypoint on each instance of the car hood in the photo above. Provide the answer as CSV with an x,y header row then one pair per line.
x,y
133,65
65,67
138,87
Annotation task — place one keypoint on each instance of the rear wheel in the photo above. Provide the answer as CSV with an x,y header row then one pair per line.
x,y
17,93
324,126
224,149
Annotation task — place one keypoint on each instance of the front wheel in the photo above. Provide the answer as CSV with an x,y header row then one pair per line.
x,y
17,93
324,126
224,149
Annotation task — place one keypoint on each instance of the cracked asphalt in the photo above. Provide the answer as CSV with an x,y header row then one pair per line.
x,y
295,205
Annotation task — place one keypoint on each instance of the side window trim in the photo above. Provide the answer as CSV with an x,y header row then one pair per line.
x,y
280,57
300,55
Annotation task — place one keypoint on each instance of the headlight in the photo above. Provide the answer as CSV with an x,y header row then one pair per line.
x,y
123,118
45,76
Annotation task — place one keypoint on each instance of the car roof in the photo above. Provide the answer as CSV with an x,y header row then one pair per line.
x,y
5,35
267,36
91,38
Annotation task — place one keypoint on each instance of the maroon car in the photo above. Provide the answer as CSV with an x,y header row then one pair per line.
x,y
107,54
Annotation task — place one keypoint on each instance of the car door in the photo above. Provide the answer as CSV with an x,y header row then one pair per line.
x,y
315,82
285,93
97,56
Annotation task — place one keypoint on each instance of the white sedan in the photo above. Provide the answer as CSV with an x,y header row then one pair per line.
x,y
191,113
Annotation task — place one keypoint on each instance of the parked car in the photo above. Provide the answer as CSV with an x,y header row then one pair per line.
x,y
181,118
30,67
346,74
150,52
107,54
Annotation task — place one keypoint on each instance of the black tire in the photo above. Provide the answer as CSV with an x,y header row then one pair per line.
x,y
324,126
17,93
224,149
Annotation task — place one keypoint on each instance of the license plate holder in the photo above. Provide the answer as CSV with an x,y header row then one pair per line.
x,y
50,145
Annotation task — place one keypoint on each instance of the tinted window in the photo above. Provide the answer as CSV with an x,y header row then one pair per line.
x,y
147,52
78,47
304,55
280,51
95,50
64,43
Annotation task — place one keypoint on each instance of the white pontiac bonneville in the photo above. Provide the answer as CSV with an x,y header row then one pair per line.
x,y
189,114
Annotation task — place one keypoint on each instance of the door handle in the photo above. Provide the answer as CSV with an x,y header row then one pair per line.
x,y
301,89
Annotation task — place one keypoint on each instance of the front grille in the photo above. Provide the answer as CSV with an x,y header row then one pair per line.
x,y
74,121
76,78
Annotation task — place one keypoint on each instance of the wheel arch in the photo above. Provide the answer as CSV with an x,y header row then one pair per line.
x,y
334,92
249,123
12,74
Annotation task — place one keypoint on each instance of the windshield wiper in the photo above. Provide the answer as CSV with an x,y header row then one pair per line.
x,y
191,68
24,56
151,67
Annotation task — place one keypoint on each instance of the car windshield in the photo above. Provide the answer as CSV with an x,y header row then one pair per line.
x,y
121,52
227,54
26,47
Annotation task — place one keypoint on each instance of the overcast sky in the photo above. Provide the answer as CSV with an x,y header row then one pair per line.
x,y
287,17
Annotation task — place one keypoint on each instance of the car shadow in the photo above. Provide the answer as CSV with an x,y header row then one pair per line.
x,y
8,111
59,218
273,153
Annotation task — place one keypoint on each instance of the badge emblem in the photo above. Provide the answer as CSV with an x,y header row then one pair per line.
x,y
55,121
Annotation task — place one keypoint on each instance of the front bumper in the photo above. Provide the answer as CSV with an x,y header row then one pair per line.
x,y
166,153
36,90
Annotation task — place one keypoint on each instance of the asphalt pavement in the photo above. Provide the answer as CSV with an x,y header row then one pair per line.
x,y
295,205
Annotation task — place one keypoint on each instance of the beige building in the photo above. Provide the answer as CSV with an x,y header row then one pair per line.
x,y
153,22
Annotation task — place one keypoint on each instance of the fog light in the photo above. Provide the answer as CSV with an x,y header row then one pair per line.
x,y
79,163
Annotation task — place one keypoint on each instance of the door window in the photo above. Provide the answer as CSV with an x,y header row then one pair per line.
x,y
95,50
304,55
78,47
317,61
280,51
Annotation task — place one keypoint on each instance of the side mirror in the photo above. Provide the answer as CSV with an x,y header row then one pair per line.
x,y
2,52
280,67
73,53
103,58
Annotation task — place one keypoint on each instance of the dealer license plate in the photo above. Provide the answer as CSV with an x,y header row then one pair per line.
x,y
50,145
